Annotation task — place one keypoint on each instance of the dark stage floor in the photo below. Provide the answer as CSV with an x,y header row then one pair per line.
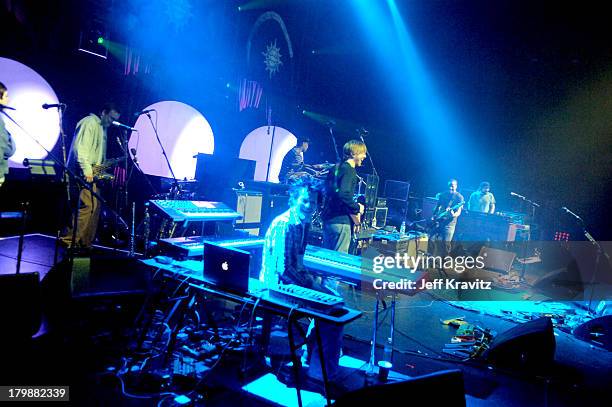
x,y
87,338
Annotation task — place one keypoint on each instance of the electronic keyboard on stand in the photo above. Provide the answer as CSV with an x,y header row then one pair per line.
x,y
193,246
295,295
194,211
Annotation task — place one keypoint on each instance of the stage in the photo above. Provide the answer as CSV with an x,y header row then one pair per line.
x,y
89,341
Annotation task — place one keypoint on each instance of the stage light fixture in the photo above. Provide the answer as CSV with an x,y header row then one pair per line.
x,y
92,40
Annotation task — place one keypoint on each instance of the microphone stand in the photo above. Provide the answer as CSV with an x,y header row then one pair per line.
x,y
600,252
175,181
534,205
269,119
64,178
361,133
333,137
146,219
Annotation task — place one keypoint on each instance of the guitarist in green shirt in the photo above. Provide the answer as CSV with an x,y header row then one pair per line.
x,y
445,215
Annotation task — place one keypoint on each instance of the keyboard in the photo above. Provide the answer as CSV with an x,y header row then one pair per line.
x,y
193,246
345,267
180,211
302,297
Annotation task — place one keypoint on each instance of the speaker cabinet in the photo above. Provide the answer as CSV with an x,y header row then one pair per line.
x,y
108,275
597,331
497,260
529,346
20,305
443,388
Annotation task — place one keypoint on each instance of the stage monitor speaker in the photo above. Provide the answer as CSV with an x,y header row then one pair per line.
x,y
443,388
529,346
561,284
108,274
597,331
496,259
20,306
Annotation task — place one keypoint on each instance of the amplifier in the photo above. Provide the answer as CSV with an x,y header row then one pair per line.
x,y
381,202
249,205
390,244
380,214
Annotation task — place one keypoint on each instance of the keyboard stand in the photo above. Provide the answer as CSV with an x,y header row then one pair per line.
x,y
185,272
370,369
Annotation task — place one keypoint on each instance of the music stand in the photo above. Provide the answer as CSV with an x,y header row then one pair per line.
x,y
40,167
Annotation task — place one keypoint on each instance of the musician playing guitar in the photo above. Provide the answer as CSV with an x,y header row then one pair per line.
x,y
445,215
87,155
341,212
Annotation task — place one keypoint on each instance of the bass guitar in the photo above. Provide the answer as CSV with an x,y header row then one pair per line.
x,y
444,217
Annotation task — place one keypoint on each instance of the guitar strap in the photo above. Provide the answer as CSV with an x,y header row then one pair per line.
x,y
336,171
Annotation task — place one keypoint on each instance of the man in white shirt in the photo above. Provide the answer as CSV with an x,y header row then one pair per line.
x,y
89,150
482,200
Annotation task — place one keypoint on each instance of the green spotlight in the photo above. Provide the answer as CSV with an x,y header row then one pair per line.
x,y
100,40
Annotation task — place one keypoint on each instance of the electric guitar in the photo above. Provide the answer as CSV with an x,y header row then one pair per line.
x,y
444,216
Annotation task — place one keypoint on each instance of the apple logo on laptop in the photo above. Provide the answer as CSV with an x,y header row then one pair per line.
x,y
224,266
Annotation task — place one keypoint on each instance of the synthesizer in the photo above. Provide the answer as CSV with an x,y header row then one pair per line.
x,y
347,268
193,246
295,295
181,211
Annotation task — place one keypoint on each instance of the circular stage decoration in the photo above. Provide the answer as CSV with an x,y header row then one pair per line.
x,y
183,132
28,91
256,147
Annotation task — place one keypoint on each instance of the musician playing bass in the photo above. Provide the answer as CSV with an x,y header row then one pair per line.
x,y
341,210
88,150
446,213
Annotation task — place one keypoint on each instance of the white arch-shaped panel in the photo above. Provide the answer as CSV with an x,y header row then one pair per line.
x,y
28,91
256,147
183,131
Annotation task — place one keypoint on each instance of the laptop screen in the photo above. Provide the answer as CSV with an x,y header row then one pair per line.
x,y
227,268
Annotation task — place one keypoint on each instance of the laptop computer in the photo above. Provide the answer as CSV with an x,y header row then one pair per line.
x,y
227,268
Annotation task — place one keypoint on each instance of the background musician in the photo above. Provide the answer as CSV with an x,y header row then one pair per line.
x,y
7,146
293,162
482,200
339,201
87,151
446,213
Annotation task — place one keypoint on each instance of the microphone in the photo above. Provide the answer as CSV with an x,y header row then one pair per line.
x,y
362,131
144,112
330,123
6,107
517,195
123,126
51,105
